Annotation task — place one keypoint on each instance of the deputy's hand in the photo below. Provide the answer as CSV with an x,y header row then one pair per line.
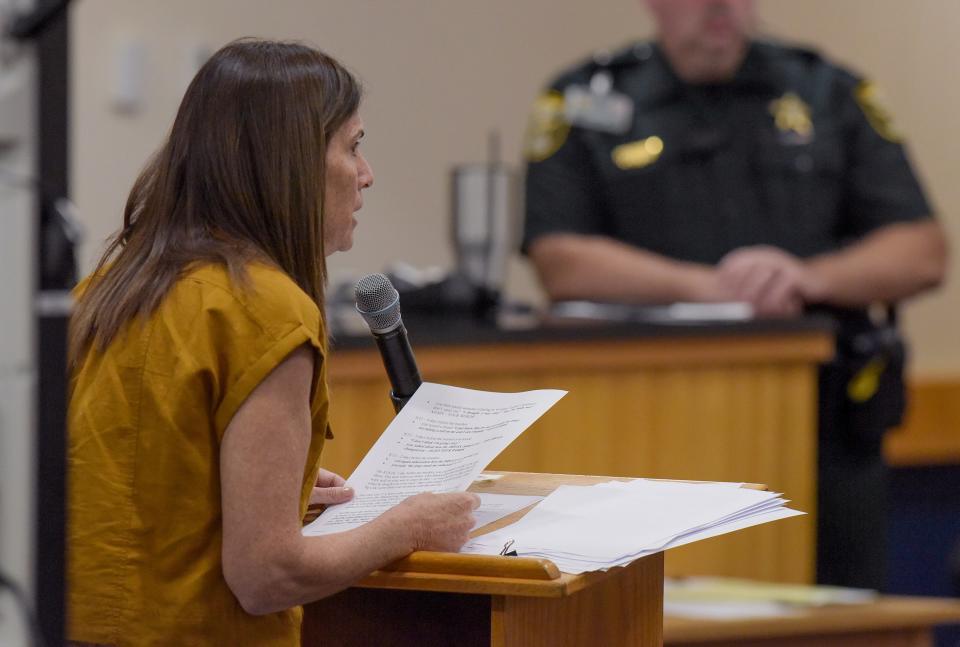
x,y
439,522
706,285
775,282
329,489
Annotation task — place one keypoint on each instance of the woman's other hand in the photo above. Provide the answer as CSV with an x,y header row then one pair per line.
x,y
330,489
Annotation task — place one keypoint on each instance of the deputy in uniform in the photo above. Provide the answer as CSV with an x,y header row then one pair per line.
x,y
711,166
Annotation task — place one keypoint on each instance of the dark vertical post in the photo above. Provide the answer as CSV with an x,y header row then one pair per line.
x,y
53,172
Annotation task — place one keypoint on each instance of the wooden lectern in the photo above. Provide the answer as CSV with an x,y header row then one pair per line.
x,y
434,599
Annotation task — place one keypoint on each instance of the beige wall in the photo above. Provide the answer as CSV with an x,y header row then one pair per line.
x,y
441,74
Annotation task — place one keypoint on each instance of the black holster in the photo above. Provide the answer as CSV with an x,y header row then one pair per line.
x,y
864,382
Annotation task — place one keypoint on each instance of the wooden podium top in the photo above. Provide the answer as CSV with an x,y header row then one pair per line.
x,y
490,574
518,576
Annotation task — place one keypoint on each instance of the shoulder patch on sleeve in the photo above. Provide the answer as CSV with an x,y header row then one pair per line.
x,y
547,128
870,99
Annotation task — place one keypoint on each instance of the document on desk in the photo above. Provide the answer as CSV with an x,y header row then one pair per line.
x,y
724,598
439,442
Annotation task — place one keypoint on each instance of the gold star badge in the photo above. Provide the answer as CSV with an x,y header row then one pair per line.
x,y
791,115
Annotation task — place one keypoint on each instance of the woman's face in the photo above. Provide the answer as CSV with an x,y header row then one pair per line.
x,y
347,174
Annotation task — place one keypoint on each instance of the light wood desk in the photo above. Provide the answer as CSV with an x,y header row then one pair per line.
x,y
475,600
721,403
889,622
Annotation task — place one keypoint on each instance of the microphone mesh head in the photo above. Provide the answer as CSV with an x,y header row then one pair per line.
x,y
378,303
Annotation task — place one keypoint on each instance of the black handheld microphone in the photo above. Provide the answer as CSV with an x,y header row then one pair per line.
x,y
379,305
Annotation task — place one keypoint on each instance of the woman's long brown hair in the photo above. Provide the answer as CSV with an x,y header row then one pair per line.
x,y
240,177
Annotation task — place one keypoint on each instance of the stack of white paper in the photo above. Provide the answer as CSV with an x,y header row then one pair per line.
x,y
587,528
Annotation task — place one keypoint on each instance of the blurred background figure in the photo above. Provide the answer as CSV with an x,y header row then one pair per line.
x,y
711,166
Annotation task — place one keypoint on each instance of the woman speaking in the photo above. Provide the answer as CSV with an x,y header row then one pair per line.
x,y
199,399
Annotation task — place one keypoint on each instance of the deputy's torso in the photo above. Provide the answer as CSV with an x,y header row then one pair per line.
x,y
697,171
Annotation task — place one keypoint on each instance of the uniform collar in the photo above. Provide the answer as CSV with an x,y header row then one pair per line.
x,y
655,82
757,70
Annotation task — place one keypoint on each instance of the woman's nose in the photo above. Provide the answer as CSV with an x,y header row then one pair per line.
x,y
366,174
